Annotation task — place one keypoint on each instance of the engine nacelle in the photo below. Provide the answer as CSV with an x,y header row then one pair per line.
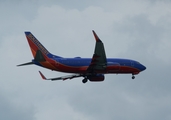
x,y
96,78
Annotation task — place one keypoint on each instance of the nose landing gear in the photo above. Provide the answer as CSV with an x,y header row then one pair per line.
x,y
133,77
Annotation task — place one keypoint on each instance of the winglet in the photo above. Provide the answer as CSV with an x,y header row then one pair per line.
x,y
43,77
96,37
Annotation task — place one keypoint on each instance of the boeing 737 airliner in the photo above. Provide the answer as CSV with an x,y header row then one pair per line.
x,y
92,69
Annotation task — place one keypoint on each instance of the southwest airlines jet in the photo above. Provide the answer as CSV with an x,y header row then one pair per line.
x,y
92,69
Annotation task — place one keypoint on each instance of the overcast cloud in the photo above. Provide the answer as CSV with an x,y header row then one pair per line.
x,y
134,29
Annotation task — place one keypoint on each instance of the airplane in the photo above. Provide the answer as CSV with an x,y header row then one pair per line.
x,y
92,69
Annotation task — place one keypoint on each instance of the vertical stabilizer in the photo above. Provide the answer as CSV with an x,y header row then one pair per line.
x,y
35,45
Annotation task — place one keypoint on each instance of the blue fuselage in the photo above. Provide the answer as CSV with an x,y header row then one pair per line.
x,y
75,65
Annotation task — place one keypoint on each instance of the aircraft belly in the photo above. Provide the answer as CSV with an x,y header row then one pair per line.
x,y
122,69
71,69
127,69
113,69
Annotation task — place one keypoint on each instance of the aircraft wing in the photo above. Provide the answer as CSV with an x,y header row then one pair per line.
x,y
61,78
98,61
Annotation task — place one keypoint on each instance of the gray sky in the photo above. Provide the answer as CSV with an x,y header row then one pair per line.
x,y
135,29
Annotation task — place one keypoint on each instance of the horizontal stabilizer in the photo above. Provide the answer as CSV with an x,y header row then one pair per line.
x,y
29,63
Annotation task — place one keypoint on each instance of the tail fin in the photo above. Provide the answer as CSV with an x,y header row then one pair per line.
x,y
35,45
40,53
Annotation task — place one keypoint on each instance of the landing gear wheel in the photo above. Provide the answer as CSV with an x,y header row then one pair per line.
x,y
133,77
84,80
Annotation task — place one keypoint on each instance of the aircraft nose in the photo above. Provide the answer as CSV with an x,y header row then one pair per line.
x,y
143,67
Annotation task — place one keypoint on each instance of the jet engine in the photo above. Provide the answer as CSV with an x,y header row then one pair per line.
x,y
96,78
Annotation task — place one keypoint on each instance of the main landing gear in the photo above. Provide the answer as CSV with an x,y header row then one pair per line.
x,y
84,80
